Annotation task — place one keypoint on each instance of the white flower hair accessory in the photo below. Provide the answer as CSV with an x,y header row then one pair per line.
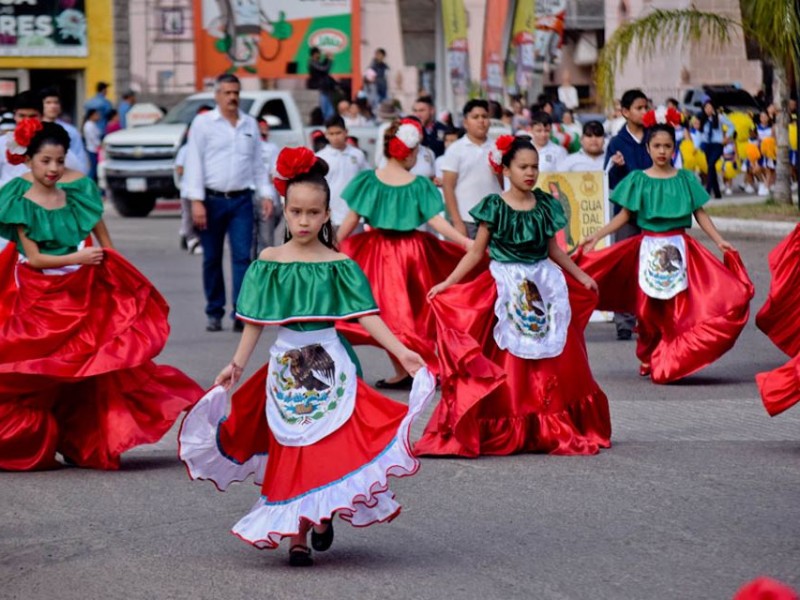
x,y
407,137
499,148
409,134
662,116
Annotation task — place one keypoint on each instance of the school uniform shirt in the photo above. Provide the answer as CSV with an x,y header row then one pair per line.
x,y
580,161
633,150
269,154
476,180
343,166
224,157
91,134
550,157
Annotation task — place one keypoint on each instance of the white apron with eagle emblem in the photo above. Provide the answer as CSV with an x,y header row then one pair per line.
x,y
532,308
662,266
311,386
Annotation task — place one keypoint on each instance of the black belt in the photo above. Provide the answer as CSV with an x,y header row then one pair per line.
x,y
231,194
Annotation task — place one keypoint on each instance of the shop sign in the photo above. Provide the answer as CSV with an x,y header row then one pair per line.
x,y
43,28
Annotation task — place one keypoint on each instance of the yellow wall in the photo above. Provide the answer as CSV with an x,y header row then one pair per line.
x,y
98,66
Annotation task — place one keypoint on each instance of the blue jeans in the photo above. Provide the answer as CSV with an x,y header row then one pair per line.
x,y
326,105
92,165
234,217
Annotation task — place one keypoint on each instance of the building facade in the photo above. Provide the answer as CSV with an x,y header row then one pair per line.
x,y
66,43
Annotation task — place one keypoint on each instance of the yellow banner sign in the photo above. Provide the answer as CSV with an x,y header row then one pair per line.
x,y
584,198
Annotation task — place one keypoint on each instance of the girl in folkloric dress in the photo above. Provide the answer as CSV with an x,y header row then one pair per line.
x,y
514,368
401,263
779,318
78,327
690,307
305,424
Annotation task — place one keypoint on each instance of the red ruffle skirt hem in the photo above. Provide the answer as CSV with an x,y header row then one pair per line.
x,y
688,332
76,370
401,268
779,318
494,403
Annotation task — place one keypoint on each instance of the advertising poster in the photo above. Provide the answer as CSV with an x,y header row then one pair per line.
x,y
43,28
520,61
272,38
550,15
493,59
454,22
584,198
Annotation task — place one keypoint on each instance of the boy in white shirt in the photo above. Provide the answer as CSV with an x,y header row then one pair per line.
x,y
266,224
550,154
450,136
344,163
466,175
92,137
592,152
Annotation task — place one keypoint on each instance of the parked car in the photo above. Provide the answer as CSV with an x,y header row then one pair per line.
x,y
727,97
138,163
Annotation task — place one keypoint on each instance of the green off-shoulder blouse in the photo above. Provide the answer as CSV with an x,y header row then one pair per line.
x,y
56,231
661,204
304,296
393,207
520,235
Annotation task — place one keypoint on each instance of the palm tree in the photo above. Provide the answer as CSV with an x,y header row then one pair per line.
x,y
773,25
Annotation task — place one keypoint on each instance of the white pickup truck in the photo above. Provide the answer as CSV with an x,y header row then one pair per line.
x,y
139,163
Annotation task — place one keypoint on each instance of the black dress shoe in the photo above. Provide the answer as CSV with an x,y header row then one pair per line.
x,y
322,541
238,326
402,384
300,556
214,324
624,334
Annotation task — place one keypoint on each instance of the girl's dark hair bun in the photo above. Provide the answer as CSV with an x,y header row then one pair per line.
x,y
49,134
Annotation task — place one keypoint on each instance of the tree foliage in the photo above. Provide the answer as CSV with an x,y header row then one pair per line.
x,y
773,25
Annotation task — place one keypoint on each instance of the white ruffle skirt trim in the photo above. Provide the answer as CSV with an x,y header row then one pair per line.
x,y
362,497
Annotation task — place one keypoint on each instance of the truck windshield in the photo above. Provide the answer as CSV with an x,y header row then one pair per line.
x,y
184,111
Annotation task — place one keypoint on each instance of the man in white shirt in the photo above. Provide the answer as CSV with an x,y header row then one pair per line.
x,y
28,105
344,163
592,153
467,176
223,167
550,154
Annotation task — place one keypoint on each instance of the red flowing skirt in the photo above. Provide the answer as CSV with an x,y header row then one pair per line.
x,y
294,470
401,268
779,318
76,370
688,332
496,403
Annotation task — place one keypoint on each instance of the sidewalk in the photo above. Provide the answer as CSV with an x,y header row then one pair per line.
x,y
749,226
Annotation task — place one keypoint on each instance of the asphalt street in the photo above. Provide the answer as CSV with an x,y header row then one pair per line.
x,y
699,493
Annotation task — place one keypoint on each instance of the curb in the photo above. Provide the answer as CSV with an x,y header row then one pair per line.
x,y
752,226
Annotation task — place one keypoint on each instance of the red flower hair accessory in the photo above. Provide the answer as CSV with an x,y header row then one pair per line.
x,y
291,163
408,137
20,139
501,146
662,116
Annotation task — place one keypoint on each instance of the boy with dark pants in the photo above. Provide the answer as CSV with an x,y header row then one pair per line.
x,y
626,152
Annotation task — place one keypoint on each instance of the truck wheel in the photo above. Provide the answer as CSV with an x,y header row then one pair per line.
x,y
129,204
